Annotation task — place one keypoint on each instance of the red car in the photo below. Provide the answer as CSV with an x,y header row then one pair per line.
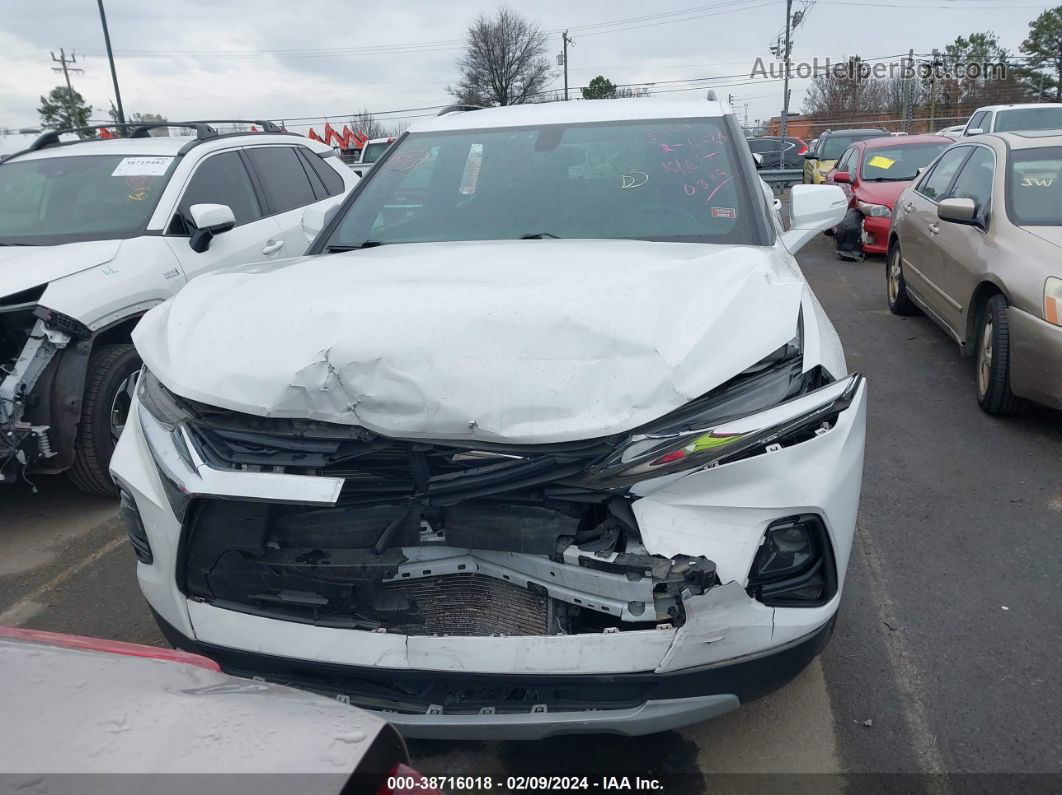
x,y
873,174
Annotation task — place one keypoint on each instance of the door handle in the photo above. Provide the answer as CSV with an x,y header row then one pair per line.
x,y
934,228
273,246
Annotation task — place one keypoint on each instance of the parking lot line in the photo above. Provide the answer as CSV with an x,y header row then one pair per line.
x,y
26,607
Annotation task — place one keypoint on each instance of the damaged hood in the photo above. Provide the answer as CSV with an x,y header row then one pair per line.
x,y
519,341
23,267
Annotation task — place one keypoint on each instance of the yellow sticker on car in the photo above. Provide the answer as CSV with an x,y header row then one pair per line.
x,y
879,161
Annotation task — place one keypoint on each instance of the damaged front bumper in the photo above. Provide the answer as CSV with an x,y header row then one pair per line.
x,y
512,599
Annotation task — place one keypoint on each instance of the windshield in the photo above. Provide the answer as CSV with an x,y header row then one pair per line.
x,y
1034,187
1029,119
371,153
834,146
651,180
57,200
895,163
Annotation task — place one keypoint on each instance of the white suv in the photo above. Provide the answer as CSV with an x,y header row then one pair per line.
x,y
94,233
1004,118
548,435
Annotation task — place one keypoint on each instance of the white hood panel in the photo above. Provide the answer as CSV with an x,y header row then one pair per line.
x,y
23,267
521,341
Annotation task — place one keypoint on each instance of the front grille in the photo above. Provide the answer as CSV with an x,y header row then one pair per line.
x,y
471,604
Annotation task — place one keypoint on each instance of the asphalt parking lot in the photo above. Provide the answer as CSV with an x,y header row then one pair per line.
x,y
946,655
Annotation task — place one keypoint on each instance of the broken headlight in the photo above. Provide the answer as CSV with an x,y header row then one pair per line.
x,y
768,403
874,210
159,402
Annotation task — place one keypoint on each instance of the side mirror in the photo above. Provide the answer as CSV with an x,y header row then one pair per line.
x,y
974,131
958,211
813,208
843,177
810,155
758,158
209,220
316,217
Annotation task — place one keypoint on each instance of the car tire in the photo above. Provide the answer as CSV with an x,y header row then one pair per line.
x,y
109,387
900,302
992,341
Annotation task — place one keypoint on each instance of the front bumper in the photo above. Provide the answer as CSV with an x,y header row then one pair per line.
x,y
537,706
876,234
720,513
1035,358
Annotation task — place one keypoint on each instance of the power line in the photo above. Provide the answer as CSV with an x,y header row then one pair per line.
x,y
631,23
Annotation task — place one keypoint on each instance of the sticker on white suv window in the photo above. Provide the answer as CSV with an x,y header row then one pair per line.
x,y
142,166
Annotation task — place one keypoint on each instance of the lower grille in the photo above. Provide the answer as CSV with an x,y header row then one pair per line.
x,y
471,604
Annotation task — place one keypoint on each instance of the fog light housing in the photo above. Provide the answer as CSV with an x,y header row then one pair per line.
x,y
794,566
134,528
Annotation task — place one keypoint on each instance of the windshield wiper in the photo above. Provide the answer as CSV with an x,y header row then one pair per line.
x,y
367,244
539,236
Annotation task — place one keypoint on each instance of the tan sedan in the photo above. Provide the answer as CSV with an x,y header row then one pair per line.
x,y
976,243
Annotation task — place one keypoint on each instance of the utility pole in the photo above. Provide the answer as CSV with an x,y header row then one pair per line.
x,y
66,69
785,85
564,59
110,57
909,94
933,90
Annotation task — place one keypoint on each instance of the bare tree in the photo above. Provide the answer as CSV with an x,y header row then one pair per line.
x,y
368,125
629,92
504,61
843,93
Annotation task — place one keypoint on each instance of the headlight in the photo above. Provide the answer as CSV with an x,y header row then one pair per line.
x,y
719,441
159,402
771,401
1053,300
874,210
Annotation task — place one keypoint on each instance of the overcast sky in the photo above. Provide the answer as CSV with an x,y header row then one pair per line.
x,y
313,58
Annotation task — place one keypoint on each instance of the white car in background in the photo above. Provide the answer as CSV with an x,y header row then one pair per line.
x,y
93,233
1010,118
954,131
549,434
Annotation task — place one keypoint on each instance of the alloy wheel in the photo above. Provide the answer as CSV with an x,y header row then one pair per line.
x,y
984,357
894,276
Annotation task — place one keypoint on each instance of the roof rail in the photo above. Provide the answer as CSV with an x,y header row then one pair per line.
x,y
458,109
203,131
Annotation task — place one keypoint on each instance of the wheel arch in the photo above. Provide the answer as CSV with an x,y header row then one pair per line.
x,y
988,287
62,395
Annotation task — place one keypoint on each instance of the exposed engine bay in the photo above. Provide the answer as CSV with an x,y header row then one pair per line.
x,y
429,539
31,337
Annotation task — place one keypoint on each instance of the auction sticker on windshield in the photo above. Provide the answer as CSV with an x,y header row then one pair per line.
x,y
142,166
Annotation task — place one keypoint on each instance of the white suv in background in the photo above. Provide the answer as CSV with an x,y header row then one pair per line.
x,y
1008,118
93,233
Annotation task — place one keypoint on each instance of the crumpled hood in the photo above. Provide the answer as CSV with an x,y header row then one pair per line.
x,y
22,267
521,341
885,193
